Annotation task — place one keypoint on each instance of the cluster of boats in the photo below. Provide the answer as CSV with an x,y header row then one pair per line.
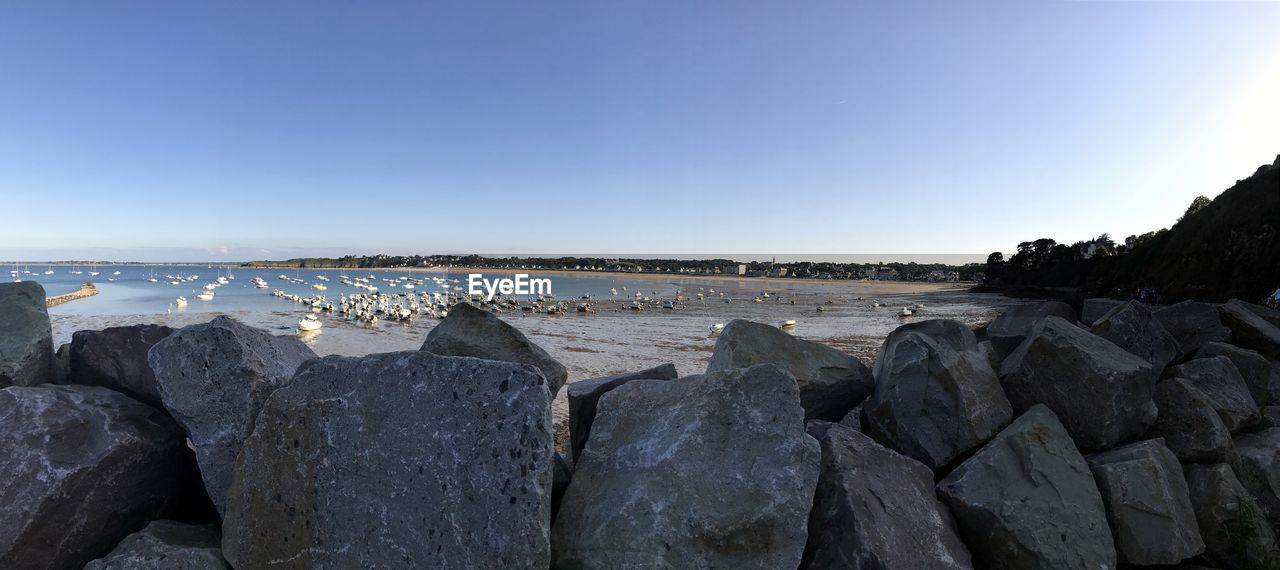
x,y
369,308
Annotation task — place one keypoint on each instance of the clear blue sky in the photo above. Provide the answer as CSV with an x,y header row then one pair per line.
x,y
233,130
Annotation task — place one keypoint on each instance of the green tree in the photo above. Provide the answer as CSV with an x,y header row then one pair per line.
x,y
1196,205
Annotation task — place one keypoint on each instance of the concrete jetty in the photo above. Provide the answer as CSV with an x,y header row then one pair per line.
x,y
86,290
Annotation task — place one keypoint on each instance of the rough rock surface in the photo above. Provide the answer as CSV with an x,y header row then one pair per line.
x,y
406,460
1094,309
1259,469
585,394
1270,315
116,358
1271,416
1192,324
166,545
83,467
1189,424
1059,362
62,364
1147,502
709,471
213,379
26,339
1248,330
1224,388
1012,326
874,508
1130,326
936,395
1235,532
1255,369
831,382
1028,500
471,331
989,351
853,419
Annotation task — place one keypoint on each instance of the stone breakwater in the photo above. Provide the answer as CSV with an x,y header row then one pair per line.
x,y
86,290
1129,436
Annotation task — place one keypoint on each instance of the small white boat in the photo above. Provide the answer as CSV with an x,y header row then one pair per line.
x,y
207,295
319,287
789,323
716,328
309,323
182,301
905,312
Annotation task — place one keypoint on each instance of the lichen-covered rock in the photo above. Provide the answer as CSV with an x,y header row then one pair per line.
x,y
116,358
1189,424
831,382
213,378
936,395
406,460
1192,324
1147,502
26,338
1099,391
1223,387
1028,500
1130,326
585,394
709,471
875,508
1255,369
83,467
1259,469
1094,309
471,331
166,545
1235,532
1012,326
1248,330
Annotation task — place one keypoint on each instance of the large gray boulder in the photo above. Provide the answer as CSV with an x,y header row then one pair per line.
x,y
1189,423
585,394
831,382
709,471
1235,532
213,379
406,460
1012,326
116,358
1255,369
1270,315
83,467
1249,330
1100,392
1224,388
1131,327
936,395
1094,309
1259,469
874,508
26,338
1147,502
1028,500
1192,324
474,332
166,545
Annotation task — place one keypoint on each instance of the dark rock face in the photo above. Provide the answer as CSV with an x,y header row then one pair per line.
x,y
561,475
1059,362
213,378
1028,500
989,351
1248,330
116,358
471,331
584,395
936,395
1223,387
831,382
405,459
1270,315
26,338
1094,309
1193,324
168,545
1259,469
1235,532
1189,424
62,364
1255,369
84,466
1131,327
1271,416
874,508
1147,502
709,471
1012,326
